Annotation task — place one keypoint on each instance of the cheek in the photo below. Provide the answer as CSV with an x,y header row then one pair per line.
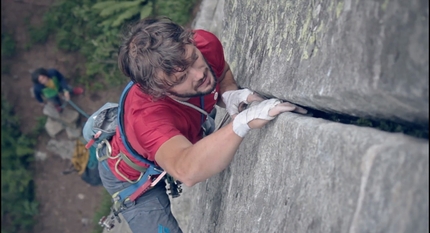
x,y
43,80
181,87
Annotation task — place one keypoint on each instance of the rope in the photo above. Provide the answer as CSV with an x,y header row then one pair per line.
x,y
78,109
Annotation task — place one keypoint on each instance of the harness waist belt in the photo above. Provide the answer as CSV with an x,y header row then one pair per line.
x,y
131,163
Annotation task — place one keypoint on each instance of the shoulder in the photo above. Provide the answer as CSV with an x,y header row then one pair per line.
x,y
140,104
204,39
211,48
53,72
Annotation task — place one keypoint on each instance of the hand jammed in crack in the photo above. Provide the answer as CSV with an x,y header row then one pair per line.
x,y
257,115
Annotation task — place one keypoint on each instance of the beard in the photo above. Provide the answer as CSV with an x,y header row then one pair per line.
x,y
199,93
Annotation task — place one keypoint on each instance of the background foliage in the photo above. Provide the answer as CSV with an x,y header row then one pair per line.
x,y
93,28
8,47
18,206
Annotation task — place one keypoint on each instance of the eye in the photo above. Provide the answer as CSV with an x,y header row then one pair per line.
x,y
195,57
182,79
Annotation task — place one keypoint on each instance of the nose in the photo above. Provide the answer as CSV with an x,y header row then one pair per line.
x,y
197,74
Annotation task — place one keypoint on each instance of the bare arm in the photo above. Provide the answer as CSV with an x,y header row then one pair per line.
x,y
195,163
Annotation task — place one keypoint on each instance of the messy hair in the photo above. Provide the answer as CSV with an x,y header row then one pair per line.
x,y
36,73
153,48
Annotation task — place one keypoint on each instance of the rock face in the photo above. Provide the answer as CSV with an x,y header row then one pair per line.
x,y
302,174
210,17
366,59
63,148
67,120
305,174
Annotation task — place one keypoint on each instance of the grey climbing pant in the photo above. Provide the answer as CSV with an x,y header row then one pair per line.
x,y
150,213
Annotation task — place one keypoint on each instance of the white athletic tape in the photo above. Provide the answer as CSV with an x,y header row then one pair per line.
x,y
260,111
232,99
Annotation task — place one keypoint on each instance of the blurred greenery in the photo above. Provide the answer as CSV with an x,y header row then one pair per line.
x,y
18,206
103,210
7,45
93,28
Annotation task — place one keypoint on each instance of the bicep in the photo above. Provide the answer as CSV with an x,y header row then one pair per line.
x,y
168,155
151,131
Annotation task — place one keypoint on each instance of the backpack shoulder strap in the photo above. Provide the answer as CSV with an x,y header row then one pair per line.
x,y
122,130
201,110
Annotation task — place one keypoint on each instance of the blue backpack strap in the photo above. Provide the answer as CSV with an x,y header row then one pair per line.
x,y
202,104
129,148
127,192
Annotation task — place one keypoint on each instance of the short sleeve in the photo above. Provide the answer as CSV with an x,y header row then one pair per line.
x,y
211,48
153,130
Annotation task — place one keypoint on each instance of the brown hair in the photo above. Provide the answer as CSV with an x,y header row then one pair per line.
x,y
153,47
36,73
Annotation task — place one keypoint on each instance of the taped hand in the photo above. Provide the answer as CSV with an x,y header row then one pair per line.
x,y
258,115
233,99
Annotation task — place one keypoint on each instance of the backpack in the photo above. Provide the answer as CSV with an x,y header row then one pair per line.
x,y
85,163
100,126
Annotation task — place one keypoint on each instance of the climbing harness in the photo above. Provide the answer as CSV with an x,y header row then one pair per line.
x,y
100,128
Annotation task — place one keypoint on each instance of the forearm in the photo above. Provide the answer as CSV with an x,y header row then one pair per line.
x,y
194,163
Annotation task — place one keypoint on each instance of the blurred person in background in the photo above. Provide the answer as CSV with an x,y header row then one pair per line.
x,y
49,84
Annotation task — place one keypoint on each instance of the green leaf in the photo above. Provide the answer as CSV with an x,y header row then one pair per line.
x,y
108,22
110,10
30,208
22,151
125,15
146,11
102,5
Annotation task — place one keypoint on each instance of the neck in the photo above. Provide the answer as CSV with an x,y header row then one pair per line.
x,y
177,97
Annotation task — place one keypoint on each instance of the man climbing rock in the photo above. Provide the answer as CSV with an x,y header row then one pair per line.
x,y
49,84
178,76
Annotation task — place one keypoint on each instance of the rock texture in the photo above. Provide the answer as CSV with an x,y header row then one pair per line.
x,y
67,120
304,174
63,148
366,59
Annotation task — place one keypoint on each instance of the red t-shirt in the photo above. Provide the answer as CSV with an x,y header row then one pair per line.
x,y
148,124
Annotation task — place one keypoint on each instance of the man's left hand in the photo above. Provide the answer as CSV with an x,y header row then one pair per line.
x,y
233,99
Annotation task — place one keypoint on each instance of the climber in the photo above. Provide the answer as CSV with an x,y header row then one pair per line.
x,y
49,84
178,76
